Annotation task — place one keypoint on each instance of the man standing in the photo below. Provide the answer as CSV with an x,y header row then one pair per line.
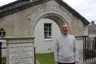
x,y
66,49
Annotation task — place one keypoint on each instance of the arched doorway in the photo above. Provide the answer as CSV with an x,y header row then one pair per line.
x,y
47,29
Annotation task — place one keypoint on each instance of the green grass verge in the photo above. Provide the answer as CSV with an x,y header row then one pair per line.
x,y
46,58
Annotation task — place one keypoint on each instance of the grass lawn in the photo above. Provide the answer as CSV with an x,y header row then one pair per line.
x,y
46,58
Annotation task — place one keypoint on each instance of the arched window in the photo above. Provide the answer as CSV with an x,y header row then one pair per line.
x,y
2,33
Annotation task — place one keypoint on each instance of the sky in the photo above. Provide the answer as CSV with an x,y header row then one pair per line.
x,y
87,8
3,2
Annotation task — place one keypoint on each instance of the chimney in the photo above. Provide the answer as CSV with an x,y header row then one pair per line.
x,y
92,22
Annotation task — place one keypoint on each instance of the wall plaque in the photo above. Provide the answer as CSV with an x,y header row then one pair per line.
x,y
21,53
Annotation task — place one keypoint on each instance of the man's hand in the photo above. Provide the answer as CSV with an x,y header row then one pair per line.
x,y
77,62
55,62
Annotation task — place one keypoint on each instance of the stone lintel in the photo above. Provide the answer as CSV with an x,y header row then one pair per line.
x,y
19,39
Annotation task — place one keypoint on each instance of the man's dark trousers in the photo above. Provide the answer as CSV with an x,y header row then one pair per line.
x,y
65,63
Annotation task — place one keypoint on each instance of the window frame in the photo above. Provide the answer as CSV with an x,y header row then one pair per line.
x,y
47,31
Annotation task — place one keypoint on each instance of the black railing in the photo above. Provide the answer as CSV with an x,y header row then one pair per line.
x,y
89,48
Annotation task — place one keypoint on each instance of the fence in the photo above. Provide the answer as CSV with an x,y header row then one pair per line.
x,y
89,48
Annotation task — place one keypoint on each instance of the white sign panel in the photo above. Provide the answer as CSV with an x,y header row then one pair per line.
x,y
80,46
21,53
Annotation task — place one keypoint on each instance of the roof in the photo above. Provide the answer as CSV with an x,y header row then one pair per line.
x,y
92,29
10,4
18,6
23,4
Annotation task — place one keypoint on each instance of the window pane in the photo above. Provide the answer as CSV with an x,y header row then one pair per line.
x,y
49,33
